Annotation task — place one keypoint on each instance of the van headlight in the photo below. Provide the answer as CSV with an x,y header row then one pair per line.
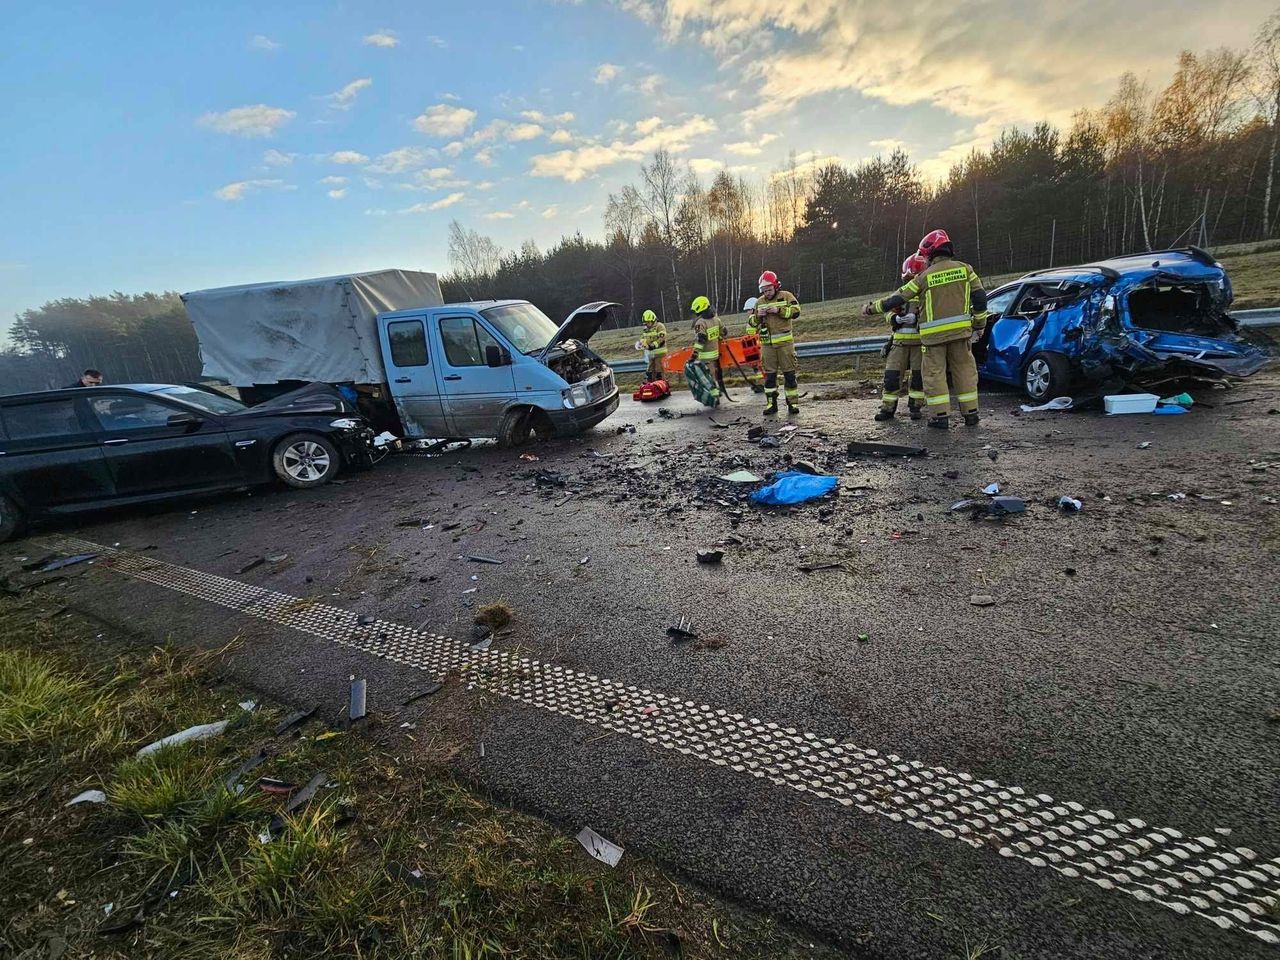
x,y
577,396
345,423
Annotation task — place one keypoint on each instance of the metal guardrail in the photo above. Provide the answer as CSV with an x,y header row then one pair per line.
x,y
1269,317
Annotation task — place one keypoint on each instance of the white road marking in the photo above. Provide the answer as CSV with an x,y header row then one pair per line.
x,y
1231,887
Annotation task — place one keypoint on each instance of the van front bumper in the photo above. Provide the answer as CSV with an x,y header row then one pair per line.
x,y
569,422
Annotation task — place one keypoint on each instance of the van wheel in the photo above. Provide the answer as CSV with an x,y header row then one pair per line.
x,y
516,428
10,519
1046,376
305,460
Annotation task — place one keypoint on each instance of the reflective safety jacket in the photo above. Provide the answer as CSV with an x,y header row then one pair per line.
x,y
949,293
654,339
707,336
775,328
906,326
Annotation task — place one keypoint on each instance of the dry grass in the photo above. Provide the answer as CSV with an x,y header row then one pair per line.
x,y
398,859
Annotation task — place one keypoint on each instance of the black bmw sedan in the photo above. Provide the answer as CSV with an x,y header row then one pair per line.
x,y
63,451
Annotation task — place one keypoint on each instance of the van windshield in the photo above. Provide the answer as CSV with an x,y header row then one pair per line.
x,y
527,327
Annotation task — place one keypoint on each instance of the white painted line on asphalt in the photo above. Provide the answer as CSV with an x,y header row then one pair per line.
x,y
1192,876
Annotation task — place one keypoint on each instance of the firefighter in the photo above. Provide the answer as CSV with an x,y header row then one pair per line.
x,y
772,319
708,331
654,341
902,353
951,300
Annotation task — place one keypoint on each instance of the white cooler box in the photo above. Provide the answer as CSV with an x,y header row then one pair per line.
x,y
1130,403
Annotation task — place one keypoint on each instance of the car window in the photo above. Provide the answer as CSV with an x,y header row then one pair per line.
x,y
408,343
120,413
37,421
210,401
464,341
1000,300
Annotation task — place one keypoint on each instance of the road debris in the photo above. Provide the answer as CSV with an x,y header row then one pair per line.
x,y
417,522
484,644
356,700
682,631
741,476
755,433
600,848
864,638
251,565
791,487
1144,445
1057,403
769,442
295,719
1070,504
805,466
1177,497
857,447
982,600
426,691
232,780
51,565
530,457
991,489
278,558
710,556
475,558
203,731
299,800
993,507
89,796
814,567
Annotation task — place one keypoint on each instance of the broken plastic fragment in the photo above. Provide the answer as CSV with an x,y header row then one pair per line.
x,y
599,847
202,732
293,719
356,703
710,556
991,489
982,600
1070,504
1057,403
741,476
89,796
66,562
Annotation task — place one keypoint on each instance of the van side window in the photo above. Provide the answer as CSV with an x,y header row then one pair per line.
x,y
408,343
464,341
38,421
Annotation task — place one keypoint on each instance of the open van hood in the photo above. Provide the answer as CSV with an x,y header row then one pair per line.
x,y
582,324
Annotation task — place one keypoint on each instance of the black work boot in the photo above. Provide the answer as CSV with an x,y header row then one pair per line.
x,y
971,419
886,413
940,423
792,409
916,412
771,407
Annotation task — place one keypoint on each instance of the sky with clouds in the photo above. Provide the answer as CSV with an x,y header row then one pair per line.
x,y
178,146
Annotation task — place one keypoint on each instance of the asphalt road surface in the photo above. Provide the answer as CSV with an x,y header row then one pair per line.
x,y
1081,763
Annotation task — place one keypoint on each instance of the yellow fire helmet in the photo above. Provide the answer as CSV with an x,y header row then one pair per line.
x,y
649,317
701,305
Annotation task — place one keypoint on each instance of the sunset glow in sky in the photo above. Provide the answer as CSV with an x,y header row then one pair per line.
x,y
176,146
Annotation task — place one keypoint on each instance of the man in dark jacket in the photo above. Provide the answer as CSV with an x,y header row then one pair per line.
x,y
90,378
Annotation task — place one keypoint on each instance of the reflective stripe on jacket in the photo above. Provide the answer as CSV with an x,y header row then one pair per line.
x,y
775,328
654,339
948,290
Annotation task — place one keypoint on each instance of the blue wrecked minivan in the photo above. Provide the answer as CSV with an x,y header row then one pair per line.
x,y
1141,317
415,366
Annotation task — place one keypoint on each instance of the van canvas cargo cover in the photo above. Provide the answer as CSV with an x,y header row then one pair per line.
x,y
324,329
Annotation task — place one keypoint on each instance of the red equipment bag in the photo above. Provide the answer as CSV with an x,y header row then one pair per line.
x,y
653,390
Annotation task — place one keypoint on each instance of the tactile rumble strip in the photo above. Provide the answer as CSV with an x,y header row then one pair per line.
x,y
1229,887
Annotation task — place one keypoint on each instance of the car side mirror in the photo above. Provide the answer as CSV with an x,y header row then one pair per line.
x,y
183,420
495,356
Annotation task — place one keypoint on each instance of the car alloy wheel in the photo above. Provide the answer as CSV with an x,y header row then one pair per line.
x,y
1039,377
306,460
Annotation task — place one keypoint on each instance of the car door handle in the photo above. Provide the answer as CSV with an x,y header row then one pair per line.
x,y
404,379
245,443
453,376
113,443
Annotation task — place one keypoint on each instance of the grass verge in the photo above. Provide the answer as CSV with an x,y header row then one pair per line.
x,y
392,858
